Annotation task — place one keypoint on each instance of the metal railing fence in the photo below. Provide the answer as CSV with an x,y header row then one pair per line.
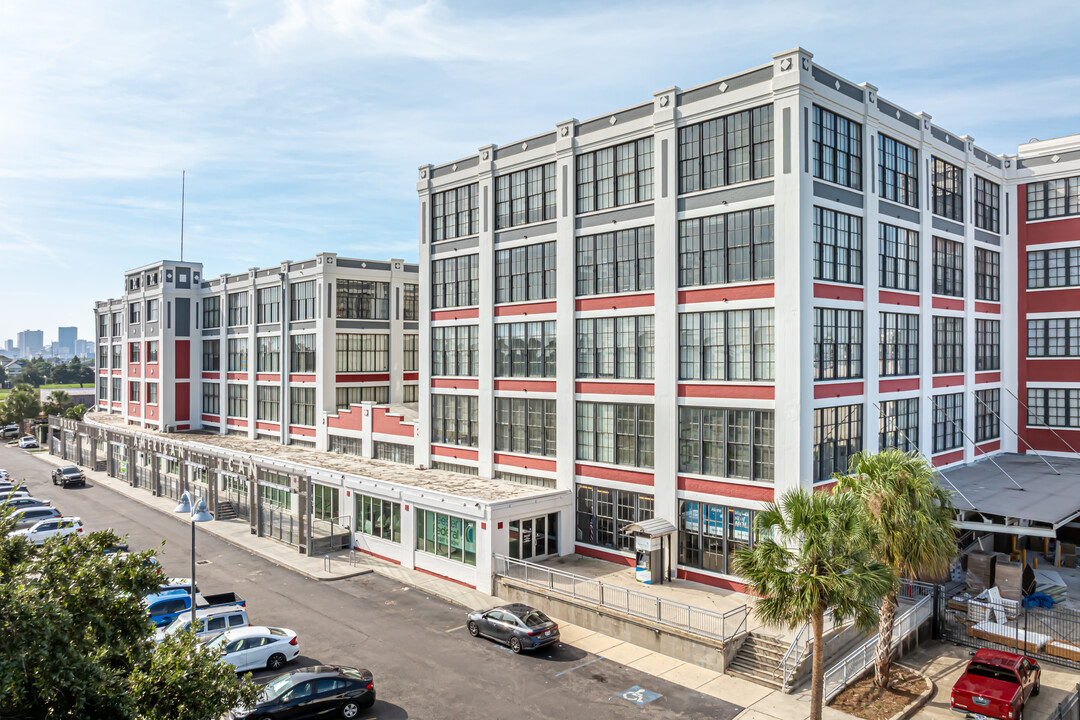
x,y
1069,708
691,619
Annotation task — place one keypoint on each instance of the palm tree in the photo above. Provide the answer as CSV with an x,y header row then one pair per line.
x,y
910,515
57,402
813,555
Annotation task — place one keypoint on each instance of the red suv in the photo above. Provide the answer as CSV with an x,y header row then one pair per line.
x,y
996,684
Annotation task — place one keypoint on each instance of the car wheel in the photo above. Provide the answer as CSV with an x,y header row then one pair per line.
x,y
1020,714
515,645
350,709
474,629
276,661
1038,687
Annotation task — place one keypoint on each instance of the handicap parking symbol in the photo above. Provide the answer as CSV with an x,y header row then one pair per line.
x,y
639,695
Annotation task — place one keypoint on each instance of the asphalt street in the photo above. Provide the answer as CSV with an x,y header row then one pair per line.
x,y
425,663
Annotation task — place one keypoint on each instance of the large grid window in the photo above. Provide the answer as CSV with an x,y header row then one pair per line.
x,y
133,352
455,213
392,452
274,489
525,196
410,305
117,355
947,189
268,305
987,204
455,282
837,436
736,247
602,514
133,392
898,171
268,403
838,344
103,325
211,355
710,536
948,421
410,393
268,354
238,308
1053,268
987,275
238,355
1054,337
211,312
898,425
302,406
302,354
615,433
525,426
948,267
987,345
525,273
726,150
211,398
733,443
446,536
117,389
1053,198
302,300
151,393
898,251
362,352
614,176
346,396
455,350
410,353
152,307
238,399
987,411
1053,407
454,420
727,345
151,352
378,518
837,149
621,347
134,313
363,300
525,349
615,262
898,352
838,247
948,345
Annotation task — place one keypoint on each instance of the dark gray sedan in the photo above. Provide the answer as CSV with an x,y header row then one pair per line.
x,y
519,626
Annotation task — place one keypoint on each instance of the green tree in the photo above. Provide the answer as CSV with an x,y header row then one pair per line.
x,y
21,405
35,372
910,515
3,375
79,372
75,639
813,556
57,403
75,412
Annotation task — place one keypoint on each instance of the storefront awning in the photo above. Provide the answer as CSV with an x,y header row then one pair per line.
x,y
655,527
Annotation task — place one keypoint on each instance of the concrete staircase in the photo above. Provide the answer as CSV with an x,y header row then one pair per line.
x,y
225,511
757,660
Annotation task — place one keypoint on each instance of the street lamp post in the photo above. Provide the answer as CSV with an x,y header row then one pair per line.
x,y
198,513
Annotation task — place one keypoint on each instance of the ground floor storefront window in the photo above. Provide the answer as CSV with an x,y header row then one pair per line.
x,y
710,535
378,518
602,514
447,536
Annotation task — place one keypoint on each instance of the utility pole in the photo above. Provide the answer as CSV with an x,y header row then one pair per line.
x,y
183,183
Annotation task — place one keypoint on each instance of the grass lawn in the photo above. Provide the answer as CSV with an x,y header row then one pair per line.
x,y
65,385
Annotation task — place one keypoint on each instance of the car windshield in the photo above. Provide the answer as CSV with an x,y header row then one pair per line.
x,y
179,623
536,619
215,640
994,672
276,687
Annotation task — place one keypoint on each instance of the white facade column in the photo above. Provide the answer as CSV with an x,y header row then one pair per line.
x,y
927,410
565,357
871,277
486,331
422,451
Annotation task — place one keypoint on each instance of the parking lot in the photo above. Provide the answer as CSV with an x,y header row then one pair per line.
x,y
425,663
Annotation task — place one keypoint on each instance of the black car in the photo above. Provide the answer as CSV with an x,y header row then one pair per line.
x,y
519,626
320,691
68,475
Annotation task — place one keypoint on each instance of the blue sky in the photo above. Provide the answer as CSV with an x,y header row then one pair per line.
x,y
301,124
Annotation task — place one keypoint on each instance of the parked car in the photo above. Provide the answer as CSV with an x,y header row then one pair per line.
x,y
68,475
25,501
42,530
4,475
27,442
27,517
168,604
211,621
519,626
996,684
256,647
12,489
319,691
10,431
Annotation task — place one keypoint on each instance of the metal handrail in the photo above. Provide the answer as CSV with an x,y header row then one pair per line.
x,y
670,613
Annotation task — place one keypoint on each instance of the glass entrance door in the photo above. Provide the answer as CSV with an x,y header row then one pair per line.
x,y
533,538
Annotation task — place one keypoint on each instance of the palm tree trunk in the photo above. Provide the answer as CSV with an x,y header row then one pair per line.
x,y
817,681
884,639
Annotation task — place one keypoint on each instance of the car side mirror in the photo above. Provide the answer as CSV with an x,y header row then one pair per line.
x,y
287,697
971,653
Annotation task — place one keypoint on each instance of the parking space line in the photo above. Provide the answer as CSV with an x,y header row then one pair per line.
x,y
453,629
578,667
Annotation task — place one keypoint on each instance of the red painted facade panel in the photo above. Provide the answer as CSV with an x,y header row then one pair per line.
x,y
151,370
274,427
944,381
827,291
988,307
946,303
898,385
243,376
832,390
724,294
613,388
302,431
453,451
536,308
599,554
134,370
540,386
615,474
267,377
706,579
455,383
1053,370
183,359
1050,301
988,447
134,409
726,489
987,377
182,401
387,423
527,463
615,302
237,422
410,376
363,377
211,419
1056,440
458,314
948,458
211,376
732,392
1053,231
302,378
350,419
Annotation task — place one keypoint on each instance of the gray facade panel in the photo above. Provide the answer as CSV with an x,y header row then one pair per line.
x,y
987,158
900,212
211,332
411,268
1044,160
239,277
183,279
511,149
267,327
521,233
363,264
448,169
837,194
987,237
240,330
636,212
302,325
133,331
410,325
183,317
728,195
785,138
896,113
834,83
267,272
446,246
947,138
737,82
948,226
362,324
634,113
152,330
663,168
